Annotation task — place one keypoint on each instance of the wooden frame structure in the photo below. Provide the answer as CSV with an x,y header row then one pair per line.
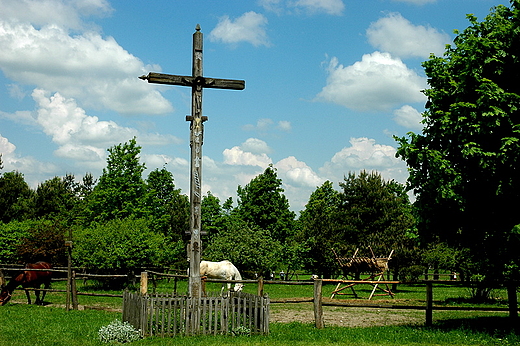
x,y
352,267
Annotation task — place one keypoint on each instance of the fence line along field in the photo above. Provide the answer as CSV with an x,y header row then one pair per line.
x,y
295,300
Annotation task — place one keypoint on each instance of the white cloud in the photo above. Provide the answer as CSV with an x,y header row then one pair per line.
x,y
253,152
255,146
14,162
250,27
284,125
365,154
396,35
96,71
297,173
82,137
409,117
376,83
332,7
66,14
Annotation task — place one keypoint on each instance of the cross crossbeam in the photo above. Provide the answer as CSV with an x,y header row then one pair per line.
x,y
161,78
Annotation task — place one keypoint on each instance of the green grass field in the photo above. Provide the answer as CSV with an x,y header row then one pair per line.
x,y
21,324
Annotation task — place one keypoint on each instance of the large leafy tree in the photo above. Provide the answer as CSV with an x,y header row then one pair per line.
x,y
55,197
464,165
249,247
121,189
15,197
166,206
263,204
377,214
319,229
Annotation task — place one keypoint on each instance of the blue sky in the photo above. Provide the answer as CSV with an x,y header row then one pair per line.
x,y
328,83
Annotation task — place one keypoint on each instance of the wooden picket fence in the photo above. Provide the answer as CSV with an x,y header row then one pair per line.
x,y
170,315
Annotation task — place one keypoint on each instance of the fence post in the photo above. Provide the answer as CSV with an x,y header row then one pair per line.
x,y
318,307
429,303
74,291
260,289
144,283
512,300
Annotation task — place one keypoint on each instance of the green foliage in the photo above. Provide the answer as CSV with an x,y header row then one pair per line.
x,y
15,197
262,203
167,208
250,248
11,235
121,188
319,229
212,215
377,214
122,245
55,197
118,332
44,242
463,167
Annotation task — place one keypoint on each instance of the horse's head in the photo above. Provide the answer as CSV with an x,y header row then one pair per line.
x,y
238,287
5,295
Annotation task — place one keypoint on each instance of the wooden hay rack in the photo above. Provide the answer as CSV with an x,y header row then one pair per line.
x,y
352,267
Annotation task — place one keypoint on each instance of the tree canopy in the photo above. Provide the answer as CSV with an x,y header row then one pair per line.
x,y
464,165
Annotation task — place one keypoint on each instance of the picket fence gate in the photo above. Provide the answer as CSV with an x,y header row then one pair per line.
x,y
169,315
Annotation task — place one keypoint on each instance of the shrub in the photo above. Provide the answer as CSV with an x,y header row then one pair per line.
x,y
117,331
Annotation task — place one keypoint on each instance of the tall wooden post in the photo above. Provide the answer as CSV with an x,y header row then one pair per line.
x,y
197,82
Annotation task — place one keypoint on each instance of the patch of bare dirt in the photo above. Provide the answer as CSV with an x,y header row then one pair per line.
x,y
348,316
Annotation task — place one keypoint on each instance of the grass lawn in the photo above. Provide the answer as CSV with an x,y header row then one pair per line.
x,y
21,324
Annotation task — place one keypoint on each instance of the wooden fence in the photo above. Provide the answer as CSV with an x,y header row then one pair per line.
x,y
169,315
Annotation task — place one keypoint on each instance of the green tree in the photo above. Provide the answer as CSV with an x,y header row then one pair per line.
x,y
250,248
11,235
376,214
44,241
263,204
318,222
464,165
212,215
15,197
121,189
123,245
167,209
55,197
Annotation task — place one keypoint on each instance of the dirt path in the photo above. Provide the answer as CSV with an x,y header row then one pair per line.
x,y
349,317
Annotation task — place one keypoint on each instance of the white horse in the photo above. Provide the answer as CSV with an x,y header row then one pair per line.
x,y
224,270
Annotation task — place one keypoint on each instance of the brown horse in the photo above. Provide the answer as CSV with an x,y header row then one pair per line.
x,y
28,278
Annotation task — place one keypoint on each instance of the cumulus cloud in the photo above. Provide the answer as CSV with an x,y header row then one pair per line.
x,y
376,83
332,7
398,36
409,117
297,173
250,28
12,161
66,14
365,154
253,152
96,71
82,137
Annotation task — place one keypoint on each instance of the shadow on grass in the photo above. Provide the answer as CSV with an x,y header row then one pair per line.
x,y
497,326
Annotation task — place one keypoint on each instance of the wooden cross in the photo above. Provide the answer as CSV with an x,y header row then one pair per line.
x,y
197,82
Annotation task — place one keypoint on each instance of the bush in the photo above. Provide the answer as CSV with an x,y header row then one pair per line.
x,y
117,331
123,245
11,235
